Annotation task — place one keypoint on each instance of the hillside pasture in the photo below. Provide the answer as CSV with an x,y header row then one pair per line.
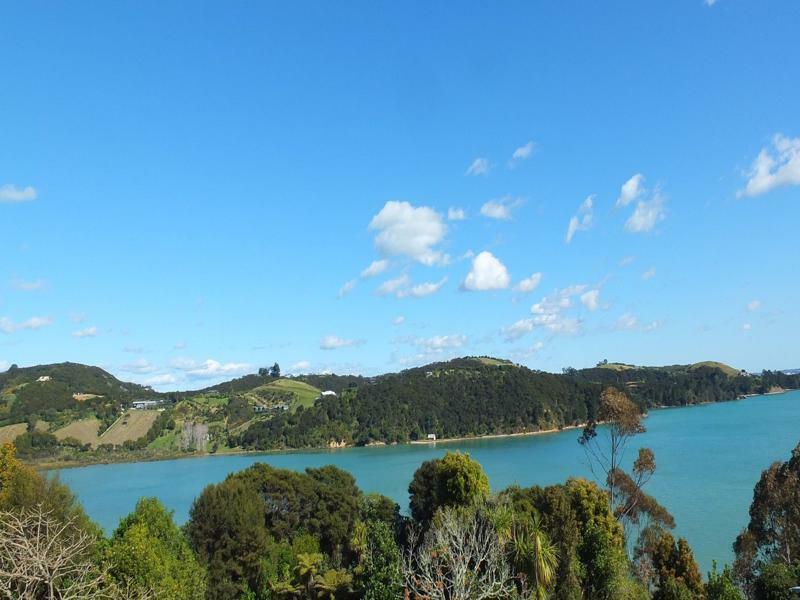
x,y
130,426
304,394
10,432
85,431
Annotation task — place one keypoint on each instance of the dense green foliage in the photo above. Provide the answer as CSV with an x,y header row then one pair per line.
x,y
148,551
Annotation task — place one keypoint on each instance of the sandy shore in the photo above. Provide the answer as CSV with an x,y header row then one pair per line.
x,y
499,435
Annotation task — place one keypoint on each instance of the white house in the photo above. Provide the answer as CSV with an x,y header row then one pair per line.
x,y
432,437
43,378
327,393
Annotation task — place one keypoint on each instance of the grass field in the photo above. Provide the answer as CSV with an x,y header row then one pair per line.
x,y
304,394
727,369
616,366
494,362
85,431
10,432
131,426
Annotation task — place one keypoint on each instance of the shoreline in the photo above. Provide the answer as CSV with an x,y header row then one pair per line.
x,y
57,466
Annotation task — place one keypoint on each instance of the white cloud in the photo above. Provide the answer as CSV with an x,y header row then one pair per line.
x,y
4,366
375,268
627,321
346,288
529,284
479,166
140,366
583,220
12,194
422,290
487,273
440,343
77,317
518,329
649,274
36,285
626,260
213,368
591,299
398,320
456,214
301,366
774,168
179,345
332,342
85,332
405,230
753,305
133,349
500,208
392,286
710,2
647,214
747,327
522,354
158,380
548,314
9,326
523,152
631,190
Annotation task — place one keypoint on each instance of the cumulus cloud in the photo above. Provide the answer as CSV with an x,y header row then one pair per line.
x,y
211,368
583,220
35,285
649,274
439,343
631,190
479,166
346,288
591,299
456,214
85,332
549,311
332,342
647,215
487,273
421,290
398,320
528,284
406,230
753,305
774,167
11,194
375,268
500,208
627,321
9,326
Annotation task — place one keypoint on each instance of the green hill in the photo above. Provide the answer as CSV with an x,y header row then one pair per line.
x,y
727,369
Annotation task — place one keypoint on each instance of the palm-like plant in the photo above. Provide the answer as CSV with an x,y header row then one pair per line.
x,y
534,557
334,583
307,569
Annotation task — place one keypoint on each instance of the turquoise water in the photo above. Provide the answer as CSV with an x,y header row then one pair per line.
x,y
709,458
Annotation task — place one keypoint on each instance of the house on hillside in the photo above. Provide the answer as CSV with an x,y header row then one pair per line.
x,y
431,437
43,378
327,394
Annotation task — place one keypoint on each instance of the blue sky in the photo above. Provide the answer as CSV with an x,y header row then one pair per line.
x,y
189,191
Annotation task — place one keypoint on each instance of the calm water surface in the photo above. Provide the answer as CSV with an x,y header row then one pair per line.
x,y
709,458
